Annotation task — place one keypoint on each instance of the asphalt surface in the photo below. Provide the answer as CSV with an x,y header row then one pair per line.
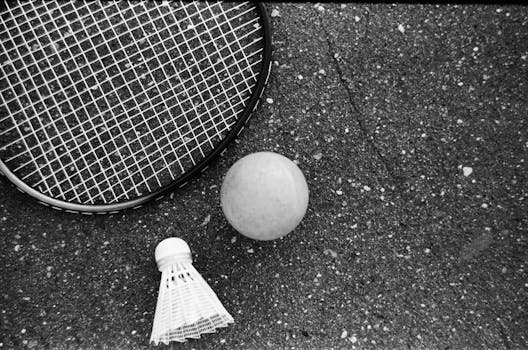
x,y
409,123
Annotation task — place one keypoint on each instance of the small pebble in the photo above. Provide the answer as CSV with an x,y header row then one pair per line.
x,y
401,28
206,220
330,252
344,334
275,13
467,170
269,100
318,156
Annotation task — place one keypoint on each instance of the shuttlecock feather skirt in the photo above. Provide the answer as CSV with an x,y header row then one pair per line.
x,y
187,307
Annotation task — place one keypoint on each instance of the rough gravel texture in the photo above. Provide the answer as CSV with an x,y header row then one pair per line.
x,y
409,123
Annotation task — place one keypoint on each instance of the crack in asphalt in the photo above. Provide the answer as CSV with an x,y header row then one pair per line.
x,y
359,116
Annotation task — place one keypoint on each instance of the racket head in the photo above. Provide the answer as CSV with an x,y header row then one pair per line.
x,y
247,64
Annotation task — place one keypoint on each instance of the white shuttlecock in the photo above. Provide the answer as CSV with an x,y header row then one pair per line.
x,y
187,307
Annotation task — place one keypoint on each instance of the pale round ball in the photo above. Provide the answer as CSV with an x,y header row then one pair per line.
x,y
264,196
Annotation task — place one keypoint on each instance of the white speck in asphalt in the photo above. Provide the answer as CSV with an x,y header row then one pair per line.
x,y
401,28
339,192
344,334
330,252
17,247
275,13
353,339
206,220
467,170
269,100
55,45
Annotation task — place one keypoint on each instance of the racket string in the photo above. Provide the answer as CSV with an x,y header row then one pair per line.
x,y
39,165
80,108
89,153
105,144
212,42
134,154
130,98
145,118
178,159
124,195
109,55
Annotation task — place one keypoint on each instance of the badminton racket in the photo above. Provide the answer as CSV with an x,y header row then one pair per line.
x,y
107,105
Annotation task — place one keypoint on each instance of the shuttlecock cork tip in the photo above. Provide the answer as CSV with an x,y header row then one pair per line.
x,y
170,251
